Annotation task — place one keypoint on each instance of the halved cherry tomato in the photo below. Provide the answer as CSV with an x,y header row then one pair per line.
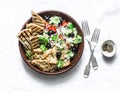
x,y
64,23
53,28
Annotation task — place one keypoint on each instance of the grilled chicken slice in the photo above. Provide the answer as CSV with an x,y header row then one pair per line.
x,y
43,65
51,60
37,19
23,37
40,64
67,63
38,50
29,41
34,41
36,29
50,52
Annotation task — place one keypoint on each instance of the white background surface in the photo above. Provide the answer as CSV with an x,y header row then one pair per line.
x,y
16,76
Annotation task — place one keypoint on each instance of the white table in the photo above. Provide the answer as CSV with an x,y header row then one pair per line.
x,y
16,76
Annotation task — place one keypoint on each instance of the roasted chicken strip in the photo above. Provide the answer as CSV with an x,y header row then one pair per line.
x,y
35,29
37,19
23,37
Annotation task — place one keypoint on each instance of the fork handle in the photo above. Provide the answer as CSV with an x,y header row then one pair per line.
x,y
88,67
94,63
87,71
93,59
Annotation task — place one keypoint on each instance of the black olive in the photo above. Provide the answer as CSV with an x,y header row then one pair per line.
x,y
50,32
71,34
52,23
47,17
58,55
60,23
48,45
74,49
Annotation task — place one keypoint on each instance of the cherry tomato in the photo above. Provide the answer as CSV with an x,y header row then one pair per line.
x,y
53,28
64,23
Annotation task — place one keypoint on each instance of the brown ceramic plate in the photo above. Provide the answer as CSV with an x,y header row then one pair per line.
x,y
76,58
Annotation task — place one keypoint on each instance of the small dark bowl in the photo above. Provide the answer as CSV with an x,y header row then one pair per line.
x,y
76,58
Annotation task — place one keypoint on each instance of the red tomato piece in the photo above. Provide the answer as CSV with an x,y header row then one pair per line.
x,y
53,28
64,23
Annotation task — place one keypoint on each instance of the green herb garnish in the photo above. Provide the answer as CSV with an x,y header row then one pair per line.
x,y
70,54
70,26
61,41
28,54
43,48
60,63
77,40
43,40
55,20
55,37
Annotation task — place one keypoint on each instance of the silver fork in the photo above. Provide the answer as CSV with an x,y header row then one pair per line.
x,y
94,41
86,31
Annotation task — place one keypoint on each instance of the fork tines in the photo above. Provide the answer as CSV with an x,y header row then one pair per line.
x,y
85,27
95,36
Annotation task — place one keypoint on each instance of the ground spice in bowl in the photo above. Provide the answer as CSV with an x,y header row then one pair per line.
x,y
108,48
